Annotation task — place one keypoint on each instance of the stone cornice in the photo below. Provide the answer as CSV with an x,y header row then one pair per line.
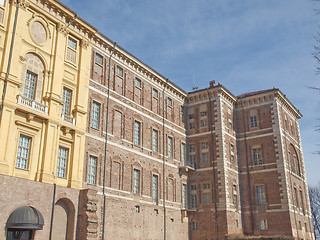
x,y
218,90
269,96
285,102
106,46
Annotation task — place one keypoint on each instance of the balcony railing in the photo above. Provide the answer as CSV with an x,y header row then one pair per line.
x,y
68,119
32,104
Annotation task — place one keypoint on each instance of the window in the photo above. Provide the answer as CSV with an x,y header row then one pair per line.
x,y
170,147
137,90
194,226
192,161
136,181
203,123
95,115
261,196
204,145
183,154
206,198
184,196
206,194
192,148
155,188
23,152
92,169
285,121
154,140
119,71
256,155
204,157
235,201
191,116
300,225
193,197
302,202
263,224
137,209
66,99
235,197
206,186
191,125
137,83
253,122
231,153
62,162
296,165
154,93
71,50
136,134
296,197
99,59
202,114
169,102
30,85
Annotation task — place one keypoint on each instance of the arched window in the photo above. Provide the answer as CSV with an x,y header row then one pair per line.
x,y
23,222
294,161
32,77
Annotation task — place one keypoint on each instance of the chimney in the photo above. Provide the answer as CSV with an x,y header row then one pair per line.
x,y
212,83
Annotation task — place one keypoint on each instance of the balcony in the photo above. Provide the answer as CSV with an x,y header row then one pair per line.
x,y
30,103
68,119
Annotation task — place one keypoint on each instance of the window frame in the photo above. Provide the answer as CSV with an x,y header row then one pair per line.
x,y
27,160
183,154
72,49
193,197
100,56
136,178
119,71
155,140
91,178
155,188
95,118
63,168
27,90
184,195
64,98
135,83
137,133
257,156
155,93
169,102
253,121
203,123
170,145
260,195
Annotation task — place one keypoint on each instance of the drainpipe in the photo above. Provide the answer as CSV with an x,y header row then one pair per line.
x,y
213,168
164,165
52,210
9,60
105,147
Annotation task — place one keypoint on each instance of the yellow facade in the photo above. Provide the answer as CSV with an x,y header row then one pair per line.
x,y
43,120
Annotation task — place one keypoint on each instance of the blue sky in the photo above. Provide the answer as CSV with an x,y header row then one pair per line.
x,y
245,45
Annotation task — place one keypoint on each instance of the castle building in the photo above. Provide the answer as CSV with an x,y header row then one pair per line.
x,y
98,145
